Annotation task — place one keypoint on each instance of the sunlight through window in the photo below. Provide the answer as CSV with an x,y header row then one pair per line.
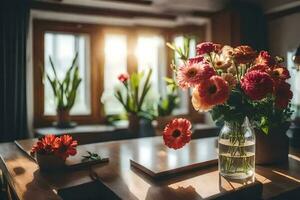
x,y
115,48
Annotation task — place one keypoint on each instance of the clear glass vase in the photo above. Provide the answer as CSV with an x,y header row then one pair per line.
x,y
237,150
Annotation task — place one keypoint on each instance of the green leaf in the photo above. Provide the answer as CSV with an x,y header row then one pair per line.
x,y
53,68
146,88
264,125
53,85
171,46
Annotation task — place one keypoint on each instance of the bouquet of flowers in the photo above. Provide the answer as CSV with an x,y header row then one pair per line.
x,y
61,147
238,86
234,83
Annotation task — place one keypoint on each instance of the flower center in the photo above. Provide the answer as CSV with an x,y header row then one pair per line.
x,y
212,89
192,72
219,63
276,73
176,133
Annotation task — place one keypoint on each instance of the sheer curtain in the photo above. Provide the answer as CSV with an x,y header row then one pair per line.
x,y
14,17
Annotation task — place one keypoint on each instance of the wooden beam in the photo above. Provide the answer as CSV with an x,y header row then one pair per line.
x,y
203,13
88,10
138,2
283,13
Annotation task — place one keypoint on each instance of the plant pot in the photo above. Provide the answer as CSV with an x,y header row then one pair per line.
x,y
63,119
134,123
49,162
140,127
272,148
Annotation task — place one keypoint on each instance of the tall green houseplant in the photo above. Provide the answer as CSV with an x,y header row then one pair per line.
x,y
137,86
65,90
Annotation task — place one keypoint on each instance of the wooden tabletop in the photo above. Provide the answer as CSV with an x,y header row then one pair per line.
x,y
119,180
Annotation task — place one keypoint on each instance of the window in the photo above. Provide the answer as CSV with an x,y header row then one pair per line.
x,y
103,53
294,81
62,48
115,50
151,53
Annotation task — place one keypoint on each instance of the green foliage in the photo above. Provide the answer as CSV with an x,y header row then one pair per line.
x,y
90,156
65,90
136,91
167,104
263,114
182,52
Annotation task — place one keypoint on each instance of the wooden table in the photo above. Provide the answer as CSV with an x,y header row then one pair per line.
x,y
117,180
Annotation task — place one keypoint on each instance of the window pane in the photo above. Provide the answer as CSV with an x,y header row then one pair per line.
x,y
184,95
151,53
295,82
115,63
62,49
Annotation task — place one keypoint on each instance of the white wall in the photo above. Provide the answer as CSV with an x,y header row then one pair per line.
x,y
284,34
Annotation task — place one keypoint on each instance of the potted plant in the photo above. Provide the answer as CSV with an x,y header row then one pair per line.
x,y
167,104
133,99
243,90
51,151
65,92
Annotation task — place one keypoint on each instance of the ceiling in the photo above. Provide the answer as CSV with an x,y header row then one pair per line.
x,y
175,6
166,13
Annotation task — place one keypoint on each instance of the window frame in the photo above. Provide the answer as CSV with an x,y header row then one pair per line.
x,y
96,34
40,27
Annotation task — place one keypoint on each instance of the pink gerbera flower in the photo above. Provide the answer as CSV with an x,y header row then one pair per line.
x,y
214,91
196,59
177,133
193,74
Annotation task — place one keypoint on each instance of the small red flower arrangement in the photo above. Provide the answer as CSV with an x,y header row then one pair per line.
x,y
61,147
177,133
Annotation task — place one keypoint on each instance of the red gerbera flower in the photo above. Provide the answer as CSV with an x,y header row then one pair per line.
x,y
66,147
209,93
123,77
257,84
260,67
45,145
193,74
264,58
283,94
208,47
244,54
177,133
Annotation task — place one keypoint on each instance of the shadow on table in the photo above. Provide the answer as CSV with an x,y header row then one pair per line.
x,y
166,192
40,189
246,189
